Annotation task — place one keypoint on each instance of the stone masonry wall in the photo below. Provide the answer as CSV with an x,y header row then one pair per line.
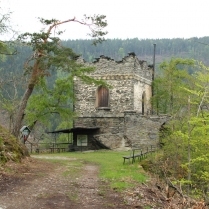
x,y
141,130
121,97
111,129
128,79
131,130
122,123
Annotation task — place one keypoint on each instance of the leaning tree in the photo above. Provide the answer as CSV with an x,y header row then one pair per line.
x,y
48,54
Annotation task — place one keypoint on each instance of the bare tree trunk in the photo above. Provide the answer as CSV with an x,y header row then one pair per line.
x,y
36,74
20,113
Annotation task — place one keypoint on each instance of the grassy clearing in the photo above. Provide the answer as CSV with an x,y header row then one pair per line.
x,y
112,169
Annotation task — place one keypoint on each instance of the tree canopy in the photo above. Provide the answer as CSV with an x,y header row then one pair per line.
x,y
50,55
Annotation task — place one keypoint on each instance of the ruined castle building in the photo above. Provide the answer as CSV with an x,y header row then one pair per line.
x,y
116,116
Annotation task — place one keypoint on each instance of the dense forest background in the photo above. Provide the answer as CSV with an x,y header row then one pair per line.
x,y
194,48
12,67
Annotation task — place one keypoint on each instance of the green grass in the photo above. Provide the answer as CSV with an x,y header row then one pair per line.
x,y
119,175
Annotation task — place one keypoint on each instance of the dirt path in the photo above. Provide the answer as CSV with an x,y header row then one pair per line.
x,y
40,184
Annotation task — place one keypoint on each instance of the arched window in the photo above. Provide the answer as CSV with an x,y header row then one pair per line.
x,y
143,103
102,97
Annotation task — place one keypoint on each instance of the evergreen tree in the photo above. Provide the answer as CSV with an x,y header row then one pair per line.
x,y
169,94
48,54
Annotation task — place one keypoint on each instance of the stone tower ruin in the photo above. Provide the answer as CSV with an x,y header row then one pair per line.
x,y
119,115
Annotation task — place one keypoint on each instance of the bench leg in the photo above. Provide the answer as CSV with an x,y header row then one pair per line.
x,y
133,160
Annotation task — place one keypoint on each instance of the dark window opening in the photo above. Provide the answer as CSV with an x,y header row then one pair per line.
x,y
102,97
143,101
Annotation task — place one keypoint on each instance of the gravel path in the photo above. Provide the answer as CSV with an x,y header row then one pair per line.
x,y
38,184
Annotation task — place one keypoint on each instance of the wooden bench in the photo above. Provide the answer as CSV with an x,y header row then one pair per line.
x,y
139,153
134,153
58,149
62,149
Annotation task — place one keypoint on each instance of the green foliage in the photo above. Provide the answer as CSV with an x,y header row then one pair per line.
x,y
185,156
169,94
57,99
97,33
51,101
48,56
191,155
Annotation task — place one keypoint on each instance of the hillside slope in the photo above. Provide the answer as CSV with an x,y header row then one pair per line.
x,y
10,148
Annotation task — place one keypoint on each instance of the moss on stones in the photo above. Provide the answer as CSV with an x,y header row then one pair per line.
x,y
10,147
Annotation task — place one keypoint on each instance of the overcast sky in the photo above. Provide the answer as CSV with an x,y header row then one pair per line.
x,y
143,19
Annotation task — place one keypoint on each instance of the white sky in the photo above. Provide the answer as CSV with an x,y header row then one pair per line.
x,y
143,19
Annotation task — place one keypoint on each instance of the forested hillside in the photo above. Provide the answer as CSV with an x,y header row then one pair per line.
x,y
195,48
14,77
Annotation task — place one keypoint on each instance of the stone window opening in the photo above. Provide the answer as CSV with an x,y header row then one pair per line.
x,y
102,97
143,103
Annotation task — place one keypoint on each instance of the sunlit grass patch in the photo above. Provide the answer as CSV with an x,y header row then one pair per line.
x,y
119,175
